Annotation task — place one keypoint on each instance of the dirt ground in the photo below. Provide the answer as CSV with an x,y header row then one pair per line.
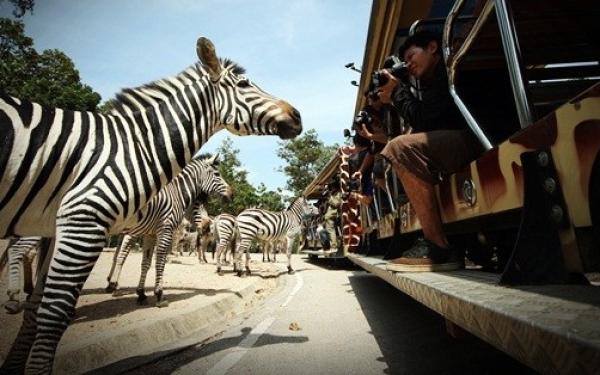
x,y
187,284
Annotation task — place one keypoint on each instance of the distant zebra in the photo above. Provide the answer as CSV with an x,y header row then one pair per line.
x,y
269,226
159,219
273,247
20,256
219,231
80,176
203,222
223,228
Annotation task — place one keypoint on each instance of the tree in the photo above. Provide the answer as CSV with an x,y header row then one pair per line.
x,y
306,156
49,78
21,7
244,194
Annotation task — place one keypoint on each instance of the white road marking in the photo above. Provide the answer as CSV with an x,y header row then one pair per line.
x,y
237,353
299,283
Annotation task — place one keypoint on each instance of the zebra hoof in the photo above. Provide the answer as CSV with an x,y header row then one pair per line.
x,y
248,272
162,303
111,287
13,307
291,271
241,274
142,299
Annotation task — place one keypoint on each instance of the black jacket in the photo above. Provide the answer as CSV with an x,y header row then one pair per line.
x,y
435,111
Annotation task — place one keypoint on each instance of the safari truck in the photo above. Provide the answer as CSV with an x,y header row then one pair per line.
x,y
525,75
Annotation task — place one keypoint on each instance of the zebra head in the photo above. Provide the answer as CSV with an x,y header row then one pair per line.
x,y
210,180
244,108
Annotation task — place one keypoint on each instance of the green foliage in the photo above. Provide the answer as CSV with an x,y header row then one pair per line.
x,y
49,78
244,194
306,156
21,7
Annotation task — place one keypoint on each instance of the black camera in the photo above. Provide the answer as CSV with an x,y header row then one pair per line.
x,y
362,117
354,185
395,66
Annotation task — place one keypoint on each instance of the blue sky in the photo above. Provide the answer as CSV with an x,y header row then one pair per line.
x,y
294,49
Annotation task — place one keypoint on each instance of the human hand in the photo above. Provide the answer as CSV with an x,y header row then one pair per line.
x,y
364,132
385,91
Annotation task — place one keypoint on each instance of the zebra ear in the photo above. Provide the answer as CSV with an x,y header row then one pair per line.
x,y
207,55
213,159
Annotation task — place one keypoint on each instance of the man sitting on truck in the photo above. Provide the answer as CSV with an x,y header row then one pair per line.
x,y
439,144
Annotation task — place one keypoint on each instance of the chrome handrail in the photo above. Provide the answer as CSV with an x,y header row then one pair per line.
x,y
452,88
508,33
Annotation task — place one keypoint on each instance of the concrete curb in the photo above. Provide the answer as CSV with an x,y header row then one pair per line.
x,y
144,338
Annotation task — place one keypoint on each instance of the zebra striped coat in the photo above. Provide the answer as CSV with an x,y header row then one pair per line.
x,y
78,176
219,230
159,219
20,257
269,226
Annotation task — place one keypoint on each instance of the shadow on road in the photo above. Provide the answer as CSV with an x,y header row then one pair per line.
x,y
126,303
413,338
192,353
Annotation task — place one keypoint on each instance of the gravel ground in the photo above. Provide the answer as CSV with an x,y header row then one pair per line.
x,y
187,285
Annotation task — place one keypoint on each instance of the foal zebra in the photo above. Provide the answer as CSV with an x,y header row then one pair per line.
x,y
159,219
270,226
79,176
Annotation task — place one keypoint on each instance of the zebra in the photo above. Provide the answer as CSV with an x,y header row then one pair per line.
x,y
273,247
20,257
76,177
186,237
203,222
225,233
159,219
218,231
260,224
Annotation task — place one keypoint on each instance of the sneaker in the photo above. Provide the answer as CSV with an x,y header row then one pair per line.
x,y
426,256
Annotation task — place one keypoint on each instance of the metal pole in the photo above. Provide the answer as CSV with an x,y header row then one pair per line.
x,y
512,52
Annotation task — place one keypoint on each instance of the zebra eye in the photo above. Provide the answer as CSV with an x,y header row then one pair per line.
x,y
243,83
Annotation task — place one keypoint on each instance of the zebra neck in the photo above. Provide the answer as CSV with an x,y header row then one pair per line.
x,y
170,133
295,213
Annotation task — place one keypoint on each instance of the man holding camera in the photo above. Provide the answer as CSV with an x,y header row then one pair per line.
x,y
334,202
438,144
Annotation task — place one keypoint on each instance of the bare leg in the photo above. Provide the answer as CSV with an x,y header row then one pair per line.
x,y
423,199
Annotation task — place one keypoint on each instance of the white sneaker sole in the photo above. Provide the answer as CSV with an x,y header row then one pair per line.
x,y
422,267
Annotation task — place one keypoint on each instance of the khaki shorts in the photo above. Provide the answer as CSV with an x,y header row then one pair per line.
x,y
426,155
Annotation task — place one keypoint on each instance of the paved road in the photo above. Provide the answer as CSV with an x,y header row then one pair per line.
x,y
349,322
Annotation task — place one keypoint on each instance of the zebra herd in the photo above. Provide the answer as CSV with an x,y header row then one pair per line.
x,y
69,179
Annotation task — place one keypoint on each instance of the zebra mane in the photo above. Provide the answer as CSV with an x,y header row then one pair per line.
x,y
194,73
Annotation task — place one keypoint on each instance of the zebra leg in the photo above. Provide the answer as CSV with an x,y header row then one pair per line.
x,y
79,242
220,247
118,260
147,250
288,252
30,255
242,248
164,242
202,249
17,356
15,253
